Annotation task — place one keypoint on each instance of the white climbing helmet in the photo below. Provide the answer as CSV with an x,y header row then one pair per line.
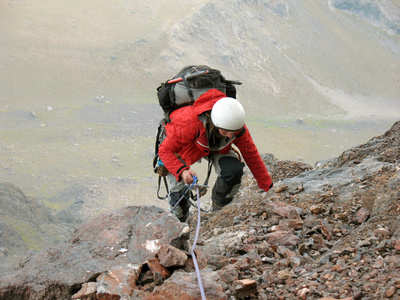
x,y
228,114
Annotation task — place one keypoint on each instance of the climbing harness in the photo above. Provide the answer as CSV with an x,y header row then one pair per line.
x,y
188,188
162,172
197,187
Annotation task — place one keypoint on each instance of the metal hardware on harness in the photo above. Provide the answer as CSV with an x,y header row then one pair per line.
x,y
193,186
162,172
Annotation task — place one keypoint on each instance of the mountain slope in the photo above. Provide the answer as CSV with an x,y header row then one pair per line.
x,y
28,224
286,52
280,48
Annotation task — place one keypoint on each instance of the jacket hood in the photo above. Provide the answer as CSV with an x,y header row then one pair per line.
x,y
206,101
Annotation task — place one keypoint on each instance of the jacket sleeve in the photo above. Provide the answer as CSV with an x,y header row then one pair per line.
x,y
253,160
178,137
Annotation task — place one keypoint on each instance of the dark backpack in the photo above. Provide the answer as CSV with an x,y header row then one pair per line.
x,y
182,90
189,84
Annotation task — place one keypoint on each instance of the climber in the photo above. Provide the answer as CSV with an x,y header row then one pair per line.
x,y
209,128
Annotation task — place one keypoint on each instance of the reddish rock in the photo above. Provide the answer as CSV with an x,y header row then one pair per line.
x,y
296,224
317,209
183,285
170,256
87,292
229,273
282,238
327,229
285,275
362,215
201,261
319,242
244,288
390,291
285,252
119,282
338,268
156,267
303,293
247,247
397,245
285,210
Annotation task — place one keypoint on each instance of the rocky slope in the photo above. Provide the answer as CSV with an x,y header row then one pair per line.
x,y
329,232
28,224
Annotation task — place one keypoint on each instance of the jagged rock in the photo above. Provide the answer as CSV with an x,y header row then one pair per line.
x,y
303,293
183,285
362,215
244,288
285,274
326,229
118,282
282,238
202,261
170,256
229,274
94,248
295,224
285,210
156,268
377,147
397,245
317,209
87,292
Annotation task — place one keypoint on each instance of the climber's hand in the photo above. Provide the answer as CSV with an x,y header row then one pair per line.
x,y
187,176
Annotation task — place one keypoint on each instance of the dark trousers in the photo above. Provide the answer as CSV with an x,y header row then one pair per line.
x,y
229,170
228,181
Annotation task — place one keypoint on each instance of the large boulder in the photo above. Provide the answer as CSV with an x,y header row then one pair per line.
x,y
126,237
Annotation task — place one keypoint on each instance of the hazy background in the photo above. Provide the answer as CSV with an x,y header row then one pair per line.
x,y
78,79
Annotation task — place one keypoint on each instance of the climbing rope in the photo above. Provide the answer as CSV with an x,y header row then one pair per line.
x,y
196,266
195,186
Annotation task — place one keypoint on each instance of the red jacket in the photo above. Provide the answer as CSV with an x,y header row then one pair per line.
x,y
186,136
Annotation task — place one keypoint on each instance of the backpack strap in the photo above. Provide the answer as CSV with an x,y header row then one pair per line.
x,y
189,90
